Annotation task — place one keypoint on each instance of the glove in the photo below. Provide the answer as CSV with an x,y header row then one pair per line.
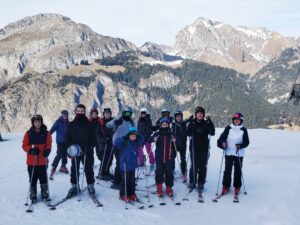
x,y
207,118
155,139
238,147
224,144
173,139
34,151
118,122
46,152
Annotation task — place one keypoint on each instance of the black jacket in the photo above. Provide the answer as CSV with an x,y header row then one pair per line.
x,y
105,134
199,131
164,152
180,132
144,126
80,131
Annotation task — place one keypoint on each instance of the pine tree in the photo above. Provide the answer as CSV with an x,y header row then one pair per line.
x,y
1,139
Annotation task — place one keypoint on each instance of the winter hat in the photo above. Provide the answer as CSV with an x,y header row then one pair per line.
x,y
143,110
64,112
132,130
238,116
36,117
200,109
94,110
164,120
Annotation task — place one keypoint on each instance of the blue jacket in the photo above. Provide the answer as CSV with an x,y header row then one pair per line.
x,y
128,151
60,126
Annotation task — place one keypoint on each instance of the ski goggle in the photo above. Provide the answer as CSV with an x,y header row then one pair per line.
x,y
37,117
127,114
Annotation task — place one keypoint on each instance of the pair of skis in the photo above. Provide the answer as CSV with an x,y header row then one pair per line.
x,y
200,196
235,197
30,208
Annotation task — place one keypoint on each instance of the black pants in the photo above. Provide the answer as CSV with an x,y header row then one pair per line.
x,y
164,172
88,169
130,183
61,154
229,162
182,151
105,155
40,173
200,159
117,174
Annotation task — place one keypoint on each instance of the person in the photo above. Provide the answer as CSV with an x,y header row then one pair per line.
x,y
80,132
165,157
144,126
120,126
165,113
233,141
37,144
96,122
199,130
179,130
60,127
127,148
105,146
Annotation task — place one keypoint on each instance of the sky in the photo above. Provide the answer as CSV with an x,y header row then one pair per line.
x,y
159,21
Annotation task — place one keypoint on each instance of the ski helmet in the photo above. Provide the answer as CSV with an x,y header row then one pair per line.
x,y
143,110
164,120
64,113
177,113
132,130
127,112
94,110
200,109
74,150
238,116
36,117
165,112
107,110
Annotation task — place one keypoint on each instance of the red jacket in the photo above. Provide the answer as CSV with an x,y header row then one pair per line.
x,y
41,140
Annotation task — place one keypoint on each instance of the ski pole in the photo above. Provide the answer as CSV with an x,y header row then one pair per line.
x,y
77,179
220,171
193,156
82,180
110,154
148,197
30,181
125,186
245,192
179,161
102,162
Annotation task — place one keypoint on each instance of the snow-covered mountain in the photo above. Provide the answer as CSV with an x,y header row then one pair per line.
x,y
241,48
271,173
52,42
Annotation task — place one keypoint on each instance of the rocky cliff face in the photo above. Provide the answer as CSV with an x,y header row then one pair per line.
x,y
52,42
241,48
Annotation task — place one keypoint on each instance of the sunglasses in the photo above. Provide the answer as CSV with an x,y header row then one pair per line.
x,y
127,114
236,118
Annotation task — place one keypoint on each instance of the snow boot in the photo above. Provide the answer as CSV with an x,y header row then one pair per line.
x,y
225,190
72,191
133,197
63,169
169,191
91,189
159,190
124,198
33,193
200,187
44,192
236,191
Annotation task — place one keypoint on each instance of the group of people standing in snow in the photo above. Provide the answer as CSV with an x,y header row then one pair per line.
x,y
121,139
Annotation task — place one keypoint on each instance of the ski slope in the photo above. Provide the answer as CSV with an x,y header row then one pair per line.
x,y
271,171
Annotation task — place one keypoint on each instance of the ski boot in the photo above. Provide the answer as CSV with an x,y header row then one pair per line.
x,y
33,193
159,190
44,192
169,191
91,189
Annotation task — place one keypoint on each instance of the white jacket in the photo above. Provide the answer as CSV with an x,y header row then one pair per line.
x,y
235,137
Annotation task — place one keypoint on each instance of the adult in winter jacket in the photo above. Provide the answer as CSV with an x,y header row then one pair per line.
x,y
120,126
60,127
144,125
164,156
127,147
233,141
104,137
37,144
179,130
80,132
199,130
96,122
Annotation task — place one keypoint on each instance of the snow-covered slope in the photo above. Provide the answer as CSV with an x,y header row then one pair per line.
x,y
271,171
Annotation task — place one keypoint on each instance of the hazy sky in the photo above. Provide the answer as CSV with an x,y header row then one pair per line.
x,y
159,20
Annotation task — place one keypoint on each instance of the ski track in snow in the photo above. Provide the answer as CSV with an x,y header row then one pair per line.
x,y
271,171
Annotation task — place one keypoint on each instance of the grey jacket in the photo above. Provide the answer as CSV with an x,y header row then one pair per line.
x,y
120,130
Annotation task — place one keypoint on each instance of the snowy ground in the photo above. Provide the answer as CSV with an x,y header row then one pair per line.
x,y
271,171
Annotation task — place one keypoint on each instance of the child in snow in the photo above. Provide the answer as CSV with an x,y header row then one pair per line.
x,y
233,141
164,156
37,143
127,147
